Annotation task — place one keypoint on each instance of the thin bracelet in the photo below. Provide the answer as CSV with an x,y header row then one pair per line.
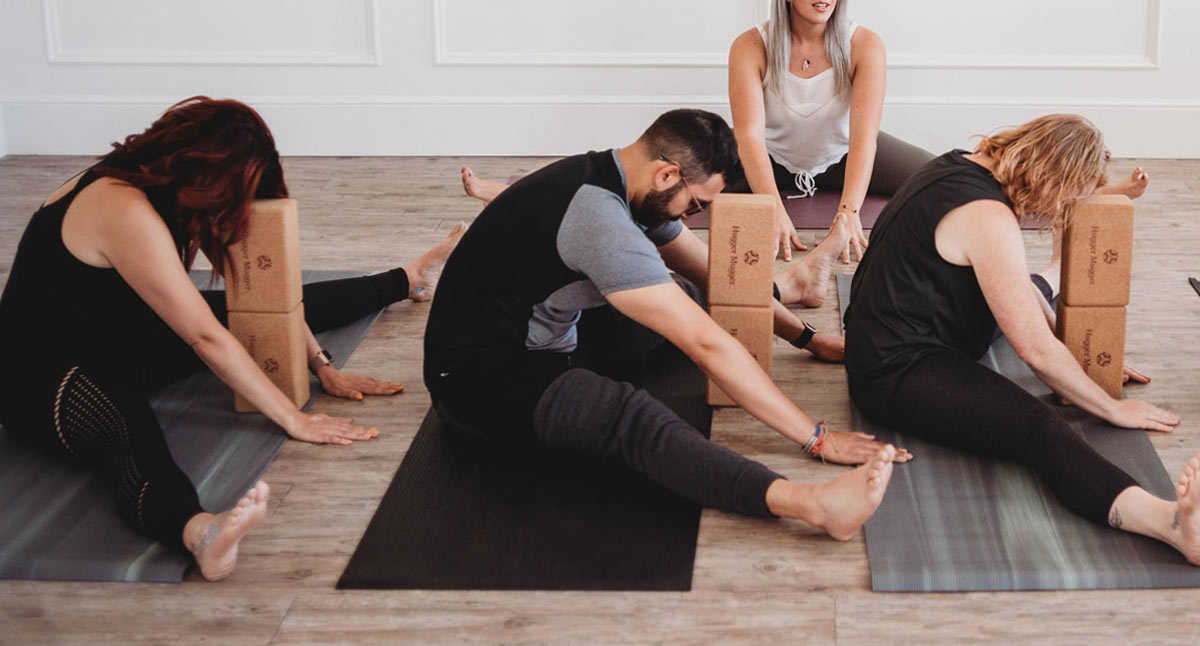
x,y
814,442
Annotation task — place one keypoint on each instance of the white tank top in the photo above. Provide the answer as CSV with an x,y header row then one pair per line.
x,y
808,126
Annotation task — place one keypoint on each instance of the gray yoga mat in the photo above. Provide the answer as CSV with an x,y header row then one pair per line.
x,y
951,521
58,519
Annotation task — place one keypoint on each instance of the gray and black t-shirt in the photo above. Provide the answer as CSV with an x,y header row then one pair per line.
x,y
551,245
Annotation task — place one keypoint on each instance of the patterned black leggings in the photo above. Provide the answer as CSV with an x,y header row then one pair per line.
x,y
95,410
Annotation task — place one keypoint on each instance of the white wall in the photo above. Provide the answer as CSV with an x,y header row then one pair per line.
x,y
443,77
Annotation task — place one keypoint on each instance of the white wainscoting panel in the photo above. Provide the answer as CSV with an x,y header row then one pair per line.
x,y
212,32
610,33
1018,34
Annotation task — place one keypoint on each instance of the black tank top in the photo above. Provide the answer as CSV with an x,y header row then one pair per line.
x,y
906,300
57,306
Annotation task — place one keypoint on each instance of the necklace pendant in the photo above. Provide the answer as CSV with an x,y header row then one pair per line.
x,y
806,64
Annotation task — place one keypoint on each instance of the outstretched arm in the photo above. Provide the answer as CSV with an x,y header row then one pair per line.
x,y
747,68
687,255
869,85
135,241
985,235
666,309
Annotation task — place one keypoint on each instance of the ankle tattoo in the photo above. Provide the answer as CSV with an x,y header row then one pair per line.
x,y
206,537
1114,518
1175,523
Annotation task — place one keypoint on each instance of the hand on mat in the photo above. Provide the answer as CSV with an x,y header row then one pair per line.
x,y
340,384
323,429
786,235
830,348
1132,413
1135,375
857,241
853,447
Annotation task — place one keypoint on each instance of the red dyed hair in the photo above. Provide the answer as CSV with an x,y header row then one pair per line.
x,y
201,164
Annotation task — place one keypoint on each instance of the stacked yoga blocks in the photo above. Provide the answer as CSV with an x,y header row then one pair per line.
x,y
741,260
263,291
1097,259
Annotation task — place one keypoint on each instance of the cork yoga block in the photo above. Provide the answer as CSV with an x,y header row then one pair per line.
x,y
741,250
264,272
754,328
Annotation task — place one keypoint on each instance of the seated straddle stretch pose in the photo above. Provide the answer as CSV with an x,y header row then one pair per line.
x,y
806,89
945,266
99,310
508,359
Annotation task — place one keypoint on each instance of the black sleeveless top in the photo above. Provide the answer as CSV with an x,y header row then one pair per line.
x,y
906,300
57,307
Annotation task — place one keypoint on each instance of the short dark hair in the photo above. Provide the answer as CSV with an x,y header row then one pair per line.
x,y
699,141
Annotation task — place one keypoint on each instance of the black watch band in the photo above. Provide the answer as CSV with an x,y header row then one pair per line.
x,y
320,360
805,336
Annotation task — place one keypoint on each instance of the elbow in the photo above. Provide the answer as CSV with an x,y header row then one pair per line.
x,y
208,343
1036,355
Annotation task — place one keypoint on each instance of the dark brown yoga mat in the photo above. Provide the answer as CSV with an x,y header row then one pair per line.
x,y
459,519
58,519
951,521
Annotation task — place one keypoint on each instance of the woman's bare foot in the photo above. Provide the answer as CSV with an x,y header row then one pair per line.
x,y
423,272
213,539
1133,187
807,281
484,190
1187,516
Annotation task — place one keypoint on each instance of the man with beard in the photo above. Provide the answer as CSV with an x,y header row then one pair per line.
x,y
511,360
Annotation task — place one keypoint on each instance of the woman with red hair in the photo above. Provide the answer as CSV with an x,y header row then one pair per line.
x,y
100,297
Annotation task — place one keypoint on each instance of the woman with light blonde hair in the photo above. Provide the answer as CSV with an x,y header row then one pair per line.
x,y
946,265
806,90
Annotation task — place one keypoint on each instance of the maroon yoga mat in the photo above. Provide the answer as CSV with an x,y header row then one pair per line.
x,y
814,212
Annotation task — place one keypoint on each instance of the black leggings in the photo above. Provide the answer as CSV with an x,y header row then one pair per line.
x,y
949,399
95,409
579,403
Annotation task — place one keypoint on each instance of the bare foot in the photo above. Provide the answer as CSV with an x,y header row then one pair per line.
x,y
484,190
423,272
213,539
807,281
1187,518
849,500
1133,187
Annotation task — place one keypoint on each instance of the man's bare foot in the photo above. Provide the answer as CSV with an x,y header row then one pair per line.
x,y
484,190
423,272
1187,517
850,499
807,281
1133,187
213,539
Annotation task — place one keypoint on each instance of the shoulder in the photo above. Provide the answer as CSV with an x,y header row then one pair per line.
x,y
113,206
748,47
866,46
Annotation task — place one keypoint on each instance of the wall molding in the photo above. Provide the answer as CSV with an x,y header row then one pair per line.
x,y
56,54
443,55
1150,59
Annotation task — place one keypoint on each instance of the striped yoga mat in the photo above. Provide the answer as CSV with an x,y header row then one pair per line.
x,y
951,521
58,520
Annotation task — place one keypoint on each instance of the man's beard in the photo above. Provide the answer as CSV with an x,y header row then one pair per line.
x,y
654,209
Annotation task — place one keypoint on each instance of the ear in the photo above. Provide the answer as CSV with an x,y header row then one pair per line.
x,y
665,175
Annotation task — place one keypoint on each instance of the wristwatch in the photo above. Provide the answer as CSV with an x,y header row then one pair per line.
x,y
805,336
320,360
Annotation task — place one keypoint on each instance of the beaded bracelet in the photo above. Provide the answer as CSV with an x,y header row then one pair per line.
x,y
813,447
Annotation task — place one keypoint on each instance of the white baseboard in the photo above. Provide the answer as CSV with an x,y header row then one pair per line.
x,y
561,125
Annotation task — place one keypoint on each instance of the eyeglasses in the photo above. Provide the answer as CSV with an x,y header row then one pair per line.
x,y
697,206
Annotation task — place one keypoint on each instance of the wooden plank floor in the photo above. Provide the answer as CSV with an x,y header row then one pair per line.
x,y
755,581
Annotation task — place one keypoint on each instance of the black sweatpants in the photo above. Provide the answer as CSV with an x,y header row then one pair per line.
x,y
949,399
577,402
95,408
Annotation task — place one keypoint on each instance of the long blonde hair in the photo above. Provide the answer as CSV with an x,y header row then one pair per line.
x,y
1045,164
779,45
